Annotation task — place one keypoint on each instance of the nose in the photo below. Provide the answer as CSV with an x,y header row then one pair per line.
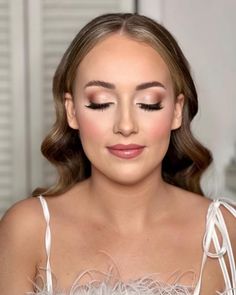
x,y
125,121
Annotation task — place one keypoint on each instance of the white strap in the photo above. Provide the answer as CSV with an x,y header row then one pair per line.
x,y
47,243
215,220
206,246
222,263
230,286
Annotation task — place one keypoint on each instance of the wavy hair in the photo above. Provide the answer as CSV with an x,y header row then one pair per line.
x,y
185,160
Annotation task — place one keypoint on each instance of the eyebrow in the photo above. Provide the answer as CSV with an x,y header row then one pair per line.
x,y
149,85
108,85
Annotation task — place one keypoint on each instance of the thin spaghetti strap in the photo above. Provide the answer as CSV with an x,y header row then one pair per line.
x,y
215,222
227,248
47,244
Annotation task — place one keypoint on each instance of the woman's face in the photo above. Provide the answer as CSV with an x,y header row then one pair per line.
x,y
123,94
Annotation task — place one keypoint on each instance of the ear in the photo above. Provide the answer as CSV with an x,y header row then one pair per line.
x,y
70,111
178,112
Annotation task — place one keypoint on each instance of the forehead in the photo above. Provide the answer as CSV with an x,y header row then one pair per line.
x,y
121,59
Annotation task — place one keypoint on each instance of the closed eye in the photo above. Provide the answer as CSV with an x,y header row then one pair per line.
x,y
98,106
151,107
146,107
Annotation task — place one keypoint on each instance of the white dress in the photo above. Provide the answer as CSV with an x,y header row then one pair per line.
x,y
146,285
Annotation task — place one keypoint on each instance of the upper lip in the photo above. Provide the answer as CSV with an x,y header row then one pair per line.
x,y
125,146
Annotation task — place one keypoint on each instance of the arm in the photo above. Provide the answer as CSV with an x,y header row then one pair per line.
x,y
20,243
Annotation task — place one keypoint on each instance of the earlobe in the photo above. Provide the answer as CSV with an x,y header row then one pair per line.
x,y
70,111
178,112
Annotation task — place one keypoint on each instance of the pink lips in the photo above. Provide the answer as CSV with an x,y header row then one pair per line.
x,y
126,151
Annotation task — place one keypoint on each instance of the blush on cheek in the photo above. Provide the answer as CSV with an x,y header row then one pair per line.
x,y
90,129
160,130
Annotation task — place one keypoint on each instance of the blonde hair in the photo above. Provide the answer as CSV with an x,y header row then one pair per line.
x,y
185,160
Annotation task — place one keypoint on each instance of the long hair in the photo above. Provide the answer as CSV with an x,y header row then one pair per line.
x,y
185,160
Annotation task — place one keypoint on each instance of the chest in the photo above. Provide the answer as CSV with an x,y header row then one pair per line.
x,y
171,253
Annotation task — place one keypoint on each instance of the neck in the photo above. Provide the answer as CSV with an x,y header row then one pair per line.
x,y
128,206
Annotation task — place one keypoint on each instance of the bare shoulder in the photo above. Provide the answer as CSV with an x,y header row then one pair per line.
x,y
22,225
196,207
21,246
195,204
26,213
189,203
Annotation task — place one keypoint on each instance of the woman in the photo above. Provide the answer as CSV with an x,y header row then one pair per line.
x,y
127,214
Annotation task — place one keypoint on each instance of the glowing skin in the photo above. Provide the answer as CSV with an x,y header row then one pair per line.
x,y
127,65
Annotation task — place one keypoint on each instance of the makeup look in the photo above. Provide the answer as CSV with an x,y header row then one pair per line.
x,y
124,108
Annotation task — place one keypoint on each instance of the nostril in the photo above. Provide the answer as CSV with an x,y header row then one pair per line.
x,y
125,122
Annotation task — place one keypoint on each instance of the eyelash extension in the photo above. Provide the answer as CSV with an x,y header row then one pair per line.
x,y
151,107
146,107
98,106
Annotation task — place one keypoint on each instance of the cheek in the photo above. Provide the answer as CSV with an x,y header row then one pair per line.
x,y
159,130
91,128
160,127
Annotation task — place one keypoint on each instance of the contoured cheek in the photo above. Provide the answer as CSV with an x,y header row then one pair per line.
x,y
94,129
158,128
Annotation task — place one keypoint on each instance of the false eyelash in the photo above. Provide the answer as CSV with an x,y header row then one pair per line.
x,y
98,106
151,107
146,107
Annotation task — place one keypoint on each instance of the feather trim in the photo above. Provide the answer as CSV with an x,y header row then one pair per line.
x,y
146,285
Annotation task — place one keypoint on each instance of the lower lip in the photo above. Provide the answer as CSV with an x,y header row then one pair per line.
x,y
126,154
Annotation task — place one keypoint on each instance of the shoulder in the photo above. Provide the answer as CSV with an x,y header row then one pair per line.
x,y
24,212
197,209
191,205
22,225
21,245
222,215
